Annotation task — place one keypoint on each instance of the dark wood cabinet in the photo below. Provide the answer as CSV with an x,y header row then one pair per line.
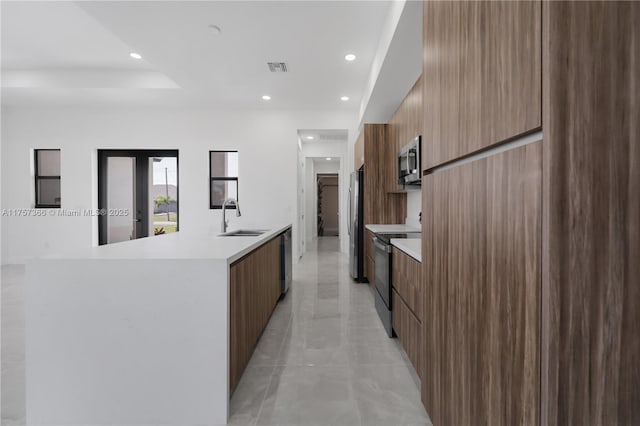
x,y
254,291
407,301
380,207
407,280
409,331
482,272
405,124
591,264
533,295
358,152
369,258
482,75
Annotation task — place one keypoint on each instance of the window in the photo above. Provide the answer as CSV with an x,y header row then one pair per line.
x,y
223,174
47,174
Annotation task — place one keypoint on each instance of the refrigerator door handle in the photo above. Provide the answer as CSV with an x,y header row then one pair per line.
x,y
349,214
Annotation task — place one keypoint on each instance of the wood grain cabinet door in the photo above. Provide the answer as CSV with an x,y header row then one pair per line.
x,y
254,291
482,75
406,278
409,331
405,124
482,263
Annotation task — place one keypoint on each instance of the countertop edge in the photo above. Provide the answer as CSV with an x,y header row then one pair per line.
x,y
403,245
264,238
127,254
391,228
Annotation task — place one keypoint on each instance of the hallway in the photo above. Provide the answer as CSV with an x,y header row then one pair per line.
x,y
324,358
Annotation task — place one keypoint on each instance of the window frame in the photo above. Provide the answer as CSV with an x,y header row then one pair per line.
x,y
221,179
37,179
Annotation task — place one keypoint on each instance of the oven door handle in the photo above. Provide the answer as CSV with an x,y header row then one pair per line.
x,y
382,247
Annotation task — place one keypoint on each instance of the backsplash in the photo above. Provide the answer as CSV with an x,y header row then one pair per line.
x,y
414,206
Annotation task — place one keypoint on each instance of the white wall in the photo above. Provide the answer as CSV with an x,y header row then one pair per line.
x,y
266,141
414,206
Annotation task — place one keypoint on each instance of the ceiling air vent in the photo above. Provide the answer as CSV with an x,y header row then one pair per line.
x,y
277,66
333,137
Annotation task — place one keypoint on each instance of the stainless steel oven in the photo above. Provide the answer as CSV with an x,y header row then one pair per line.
x,y
383,282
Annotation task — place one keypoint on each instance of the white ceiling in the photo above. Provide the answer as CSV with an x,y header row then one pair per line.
x,y
77,53
323,135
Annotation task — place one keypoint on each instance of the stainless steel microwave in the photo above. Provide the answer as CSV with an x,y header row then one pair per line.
x,y
409,169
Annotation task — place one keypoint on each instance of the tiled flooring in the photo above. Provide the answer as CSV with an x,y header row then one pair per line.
x,y
324,358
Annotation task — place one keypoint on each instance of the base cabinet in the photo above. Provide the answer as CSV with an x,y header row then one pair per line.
x,y
409,331
369,258
407,300
407,281
254,291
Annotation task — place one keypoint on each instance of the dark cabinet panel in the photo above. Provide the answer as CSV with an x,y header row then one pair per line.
x,y
409,331
482,274
482,75
369,258
591,285
254,291
380,207
405,124
406,278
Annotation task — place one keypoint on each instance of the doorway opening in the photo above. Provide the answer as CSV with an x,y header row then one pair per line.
x,y
327,206
137,194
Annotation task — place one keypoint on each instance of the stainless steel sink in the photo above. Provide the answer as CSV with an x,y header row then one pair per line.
x,y
244,233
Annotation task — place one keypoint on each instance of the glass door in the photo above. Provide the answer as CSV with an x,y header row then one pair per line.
x,y
163,200
137,194
123,218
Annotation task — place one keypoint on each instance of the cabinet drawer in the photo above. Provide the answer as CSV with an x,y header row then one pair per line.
x,y
409,331
406,279
369,255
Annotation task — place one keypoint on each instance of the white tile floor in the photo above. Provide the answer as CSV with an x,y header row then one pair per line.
x,y
324,358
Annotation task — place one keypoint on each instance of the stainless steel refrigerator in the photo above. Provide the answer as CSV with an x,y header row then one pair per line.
x,y
356,226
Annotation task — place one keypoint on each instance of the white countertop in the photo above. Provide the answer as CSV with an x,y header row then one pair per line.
x,y
176,245
411,246
391,229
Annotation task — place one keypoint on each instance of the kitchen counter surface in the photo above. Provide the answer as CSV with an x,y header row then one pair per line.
x,y
391,229
178,245
411,246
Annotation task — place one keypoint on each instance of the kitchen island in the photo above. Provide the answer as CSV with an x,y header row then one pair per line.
x,y
150,331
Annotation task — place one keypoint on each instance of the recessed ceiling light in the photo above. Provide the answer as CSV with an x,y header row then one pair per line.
x,y
349,57
344,98
328,158
266,97
310,138
216,29
135,55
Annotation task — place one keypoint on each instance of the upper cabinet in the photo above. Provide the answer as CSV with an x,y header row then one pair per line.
x,y
379,207
482,76
405,124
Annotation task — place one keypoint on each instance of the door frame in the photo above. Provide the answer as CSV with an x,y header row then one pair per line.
x,y
317,205
142,157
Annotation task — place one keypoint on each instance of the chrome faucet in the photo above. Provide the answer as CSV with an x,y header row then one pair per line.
x,y
225,222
